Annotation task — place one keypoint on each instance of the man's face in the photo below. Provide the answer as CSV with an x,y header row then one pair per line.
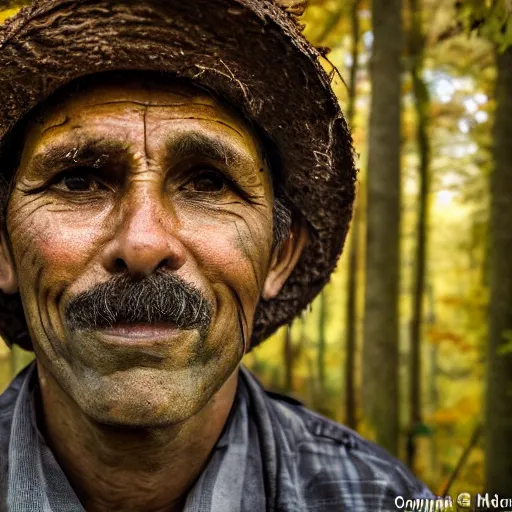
x,y
141,231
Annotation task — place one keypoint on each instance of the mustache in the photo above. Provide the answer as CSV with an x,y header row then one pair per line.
x,y
160,297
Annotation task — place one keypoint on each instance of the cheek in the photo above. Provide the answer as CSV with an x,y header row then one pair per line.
x,y
233,251
59,245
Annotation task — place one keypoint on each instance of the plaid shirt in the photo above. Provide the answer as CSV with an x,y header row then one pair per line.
x,y
274,455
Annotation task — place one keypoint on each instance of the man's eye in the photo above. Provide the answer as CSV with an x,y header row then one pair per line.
x,y
207,181
77,182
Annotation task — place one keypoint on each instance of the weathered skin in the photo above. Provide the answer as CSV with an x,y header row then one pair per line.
x,y
146,205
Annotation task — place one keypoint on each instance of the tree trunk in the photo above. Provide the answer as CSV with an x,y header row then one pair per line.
x,y
499,366
380,350
422,104
350,359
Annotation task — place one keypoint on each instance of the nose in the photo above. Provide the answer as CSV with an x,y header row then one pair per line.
x,y
146,240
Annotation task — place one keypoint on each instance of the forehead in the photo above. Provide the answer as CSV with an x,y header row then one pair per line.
x,y
104,102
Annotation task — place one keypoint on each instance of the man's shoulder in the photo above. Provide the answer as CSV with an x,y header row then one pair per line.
x,y
331,454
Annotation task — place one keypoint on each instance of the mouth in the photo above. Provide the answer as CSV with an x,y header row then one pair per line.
x,y
141,333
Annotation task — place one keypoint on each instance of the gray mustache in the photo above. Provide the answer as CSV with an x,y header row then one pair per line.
x,y
160,297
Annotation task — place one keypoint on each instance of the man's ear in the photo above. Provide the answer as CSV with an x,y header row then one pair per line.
x,y
284,260
8,277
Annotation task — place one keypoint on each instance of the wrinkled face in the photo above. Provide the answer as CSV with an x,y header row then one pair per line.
x,y
140,227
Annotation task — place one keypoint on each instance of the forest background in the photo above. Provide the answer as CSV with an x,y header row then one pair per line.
x,y
410,343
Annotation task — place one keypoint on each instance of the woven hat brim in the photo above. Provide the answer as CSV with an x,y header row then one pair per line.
x,y
247,51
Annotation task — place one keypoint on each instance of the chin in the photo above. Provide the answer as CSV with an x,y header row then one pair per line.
x,y
146,397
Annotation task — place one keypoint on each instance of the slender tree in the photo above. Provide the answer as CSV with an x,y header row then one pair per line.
x,y
499,365
380,349
422,105
351,328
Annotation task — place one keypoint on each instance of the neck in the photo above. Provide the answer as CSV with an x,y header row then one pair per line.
x,y
120,469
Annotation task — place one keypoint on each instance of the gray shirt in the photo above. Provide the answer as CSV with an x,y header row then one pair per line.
x,y
274,455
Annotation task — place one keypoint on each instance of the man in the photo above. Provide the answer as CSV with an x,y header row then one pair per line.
x,y
178,184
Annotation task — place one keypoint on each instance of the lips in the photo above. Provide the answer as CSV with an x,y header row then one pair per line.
x,y
137,332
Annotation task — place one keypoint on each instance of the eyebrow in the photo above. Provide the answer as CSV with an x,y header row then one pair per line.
x,y
200,145
94,152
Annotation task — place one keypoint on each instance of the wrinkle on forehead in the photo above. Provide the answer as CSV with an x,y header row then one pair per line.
x,y
135,93
58,123
188,110
138,90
